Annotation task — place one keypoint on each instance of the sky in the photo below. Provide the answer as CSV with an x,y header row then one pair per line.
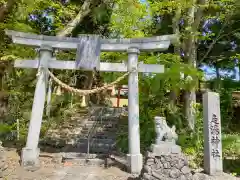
x,y
211,73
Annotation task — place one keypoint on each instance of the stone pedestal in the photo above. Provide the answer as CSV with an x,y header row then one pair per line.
x,y
30,157
135,163
165,148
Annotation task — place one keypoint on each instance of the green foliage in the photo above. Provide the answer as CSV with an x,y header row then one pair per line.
x,y
129,18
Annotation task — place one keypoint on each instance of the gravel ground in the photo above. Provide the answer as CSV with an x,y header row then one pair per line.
x,y
53,171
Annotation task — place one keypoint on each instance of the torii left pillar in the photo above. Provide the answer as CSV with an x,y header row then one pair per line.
x,y
30,153
134,157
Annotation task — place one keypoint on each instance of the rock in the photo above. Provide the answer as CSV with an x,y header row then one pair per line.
x,y
182,177
166,172
147,177
156,166
57,159
200,176
189,176
147,169
186,170
158,176
173,163
166,165
150,161
159,165
168,158
162,158
180,163
149,154
174,173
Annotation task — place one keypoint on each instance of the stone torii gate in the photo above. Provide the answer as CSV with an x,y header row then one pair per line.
x,y
30,153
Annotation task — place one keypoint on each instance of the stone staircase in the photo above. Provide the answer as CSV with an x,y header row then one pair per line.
x,y
92,133
99,132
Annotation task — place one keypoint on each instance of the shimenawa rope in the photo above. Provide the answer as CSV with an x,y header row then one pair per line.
x,y
85,92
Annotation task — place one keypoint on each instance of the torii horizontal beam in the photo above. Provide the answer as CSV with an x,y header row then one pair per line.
x,y
157,43
104,66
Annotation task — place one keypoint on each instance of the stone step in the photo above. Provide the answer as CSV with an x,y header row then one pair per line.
x,y
95,148
78,120
105,118
100,150
101,135
84,149
86,162
83,110
104,126
75,155
102,123
93,145
97,131
96,140
107,109
70,132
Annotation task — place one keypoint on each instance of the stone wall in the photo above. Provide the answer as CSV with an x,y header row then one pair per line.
x,y
166,167
174,167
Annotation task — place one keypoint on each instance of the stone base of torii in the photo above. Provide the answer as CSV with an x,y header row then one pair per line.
x,y
88,59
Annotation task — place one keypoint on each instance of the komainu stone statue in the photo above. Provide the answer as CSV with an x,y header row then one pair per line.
x,y
164,132
165,161
166,138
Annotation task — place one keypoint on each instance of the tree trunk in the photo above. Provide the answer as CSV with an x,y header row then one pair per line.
x,y
190,50
218,78
3,93
176,20
84,11
88,84
237,70
190,96
4,9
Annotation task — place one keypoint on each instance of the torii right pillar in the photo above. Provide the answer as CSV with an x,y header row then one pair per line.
x,y
135,158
